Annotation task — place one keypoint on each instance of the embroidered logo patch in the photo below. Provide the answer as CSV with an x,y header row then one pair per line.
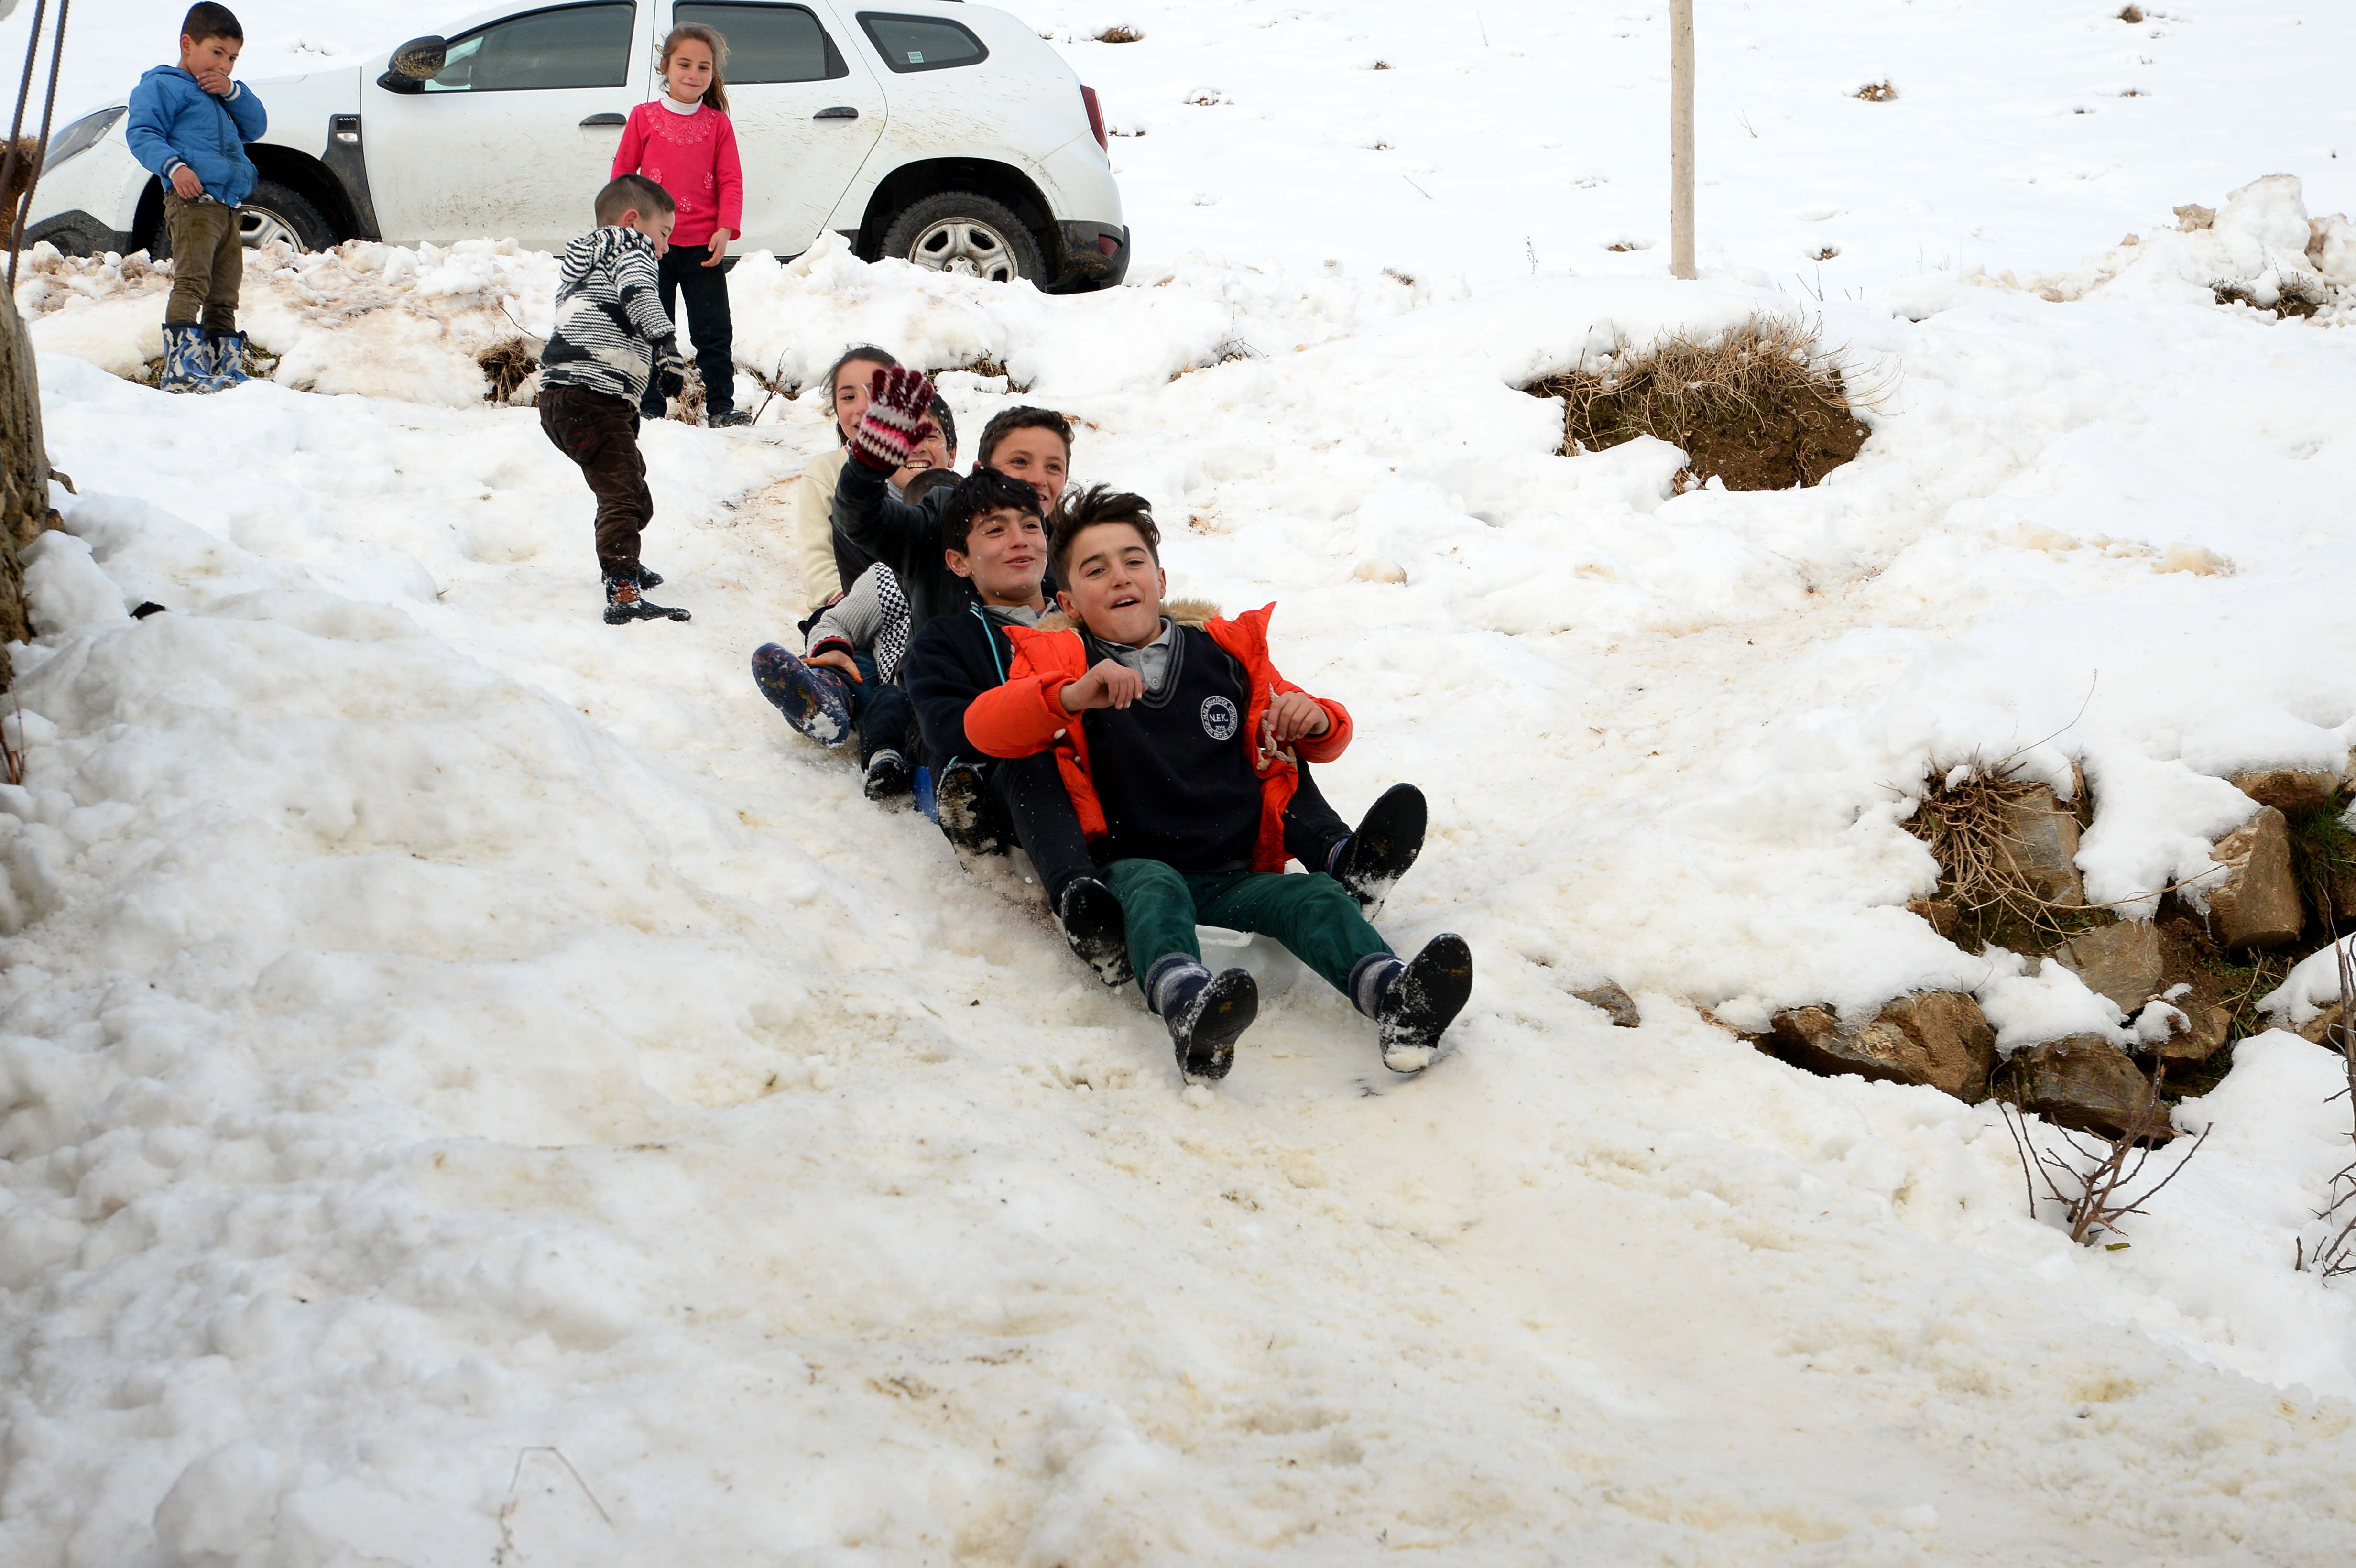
x,y
1219,719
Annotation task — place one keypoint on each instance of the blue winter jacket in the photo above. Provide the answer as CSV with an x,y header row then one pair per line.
x,y
175,122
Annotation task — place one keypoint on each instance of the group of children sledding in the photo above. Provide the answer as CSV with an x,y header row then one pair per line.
x,y
1144,753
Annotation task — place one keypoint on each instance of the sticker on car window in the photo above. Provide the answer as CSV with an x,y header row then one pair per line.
x,y
916,57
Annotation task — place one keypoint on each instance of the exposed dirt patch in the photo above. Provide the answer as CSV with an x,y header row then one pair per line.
x,y
1759,408
2295,301
1875,92
2131,15
1120,35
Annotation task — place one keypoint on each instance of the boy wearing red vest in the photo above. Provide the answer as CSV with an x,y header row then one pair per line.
x,y
1178,746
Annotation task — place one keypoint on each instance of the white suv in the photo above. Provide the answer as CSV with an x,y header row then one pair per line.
x,y
944,133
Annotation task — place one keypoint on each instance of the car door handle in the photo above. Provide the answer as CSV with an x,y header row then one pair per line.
x,y
603,122
840,111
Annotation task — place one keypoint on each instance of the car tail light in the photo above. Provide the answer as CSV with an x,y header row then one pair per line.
x,y
1095,116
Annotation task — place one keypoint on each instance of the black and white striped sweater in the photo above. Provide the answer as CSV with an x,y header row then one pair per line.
x,y
610,322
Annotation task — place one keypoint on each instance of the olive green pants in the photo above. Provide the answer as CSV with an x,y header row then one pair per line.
x,y
207,262
1314,916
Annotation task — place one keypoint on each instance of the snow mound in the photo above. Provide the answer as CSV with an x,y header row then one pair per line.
x,y
2260,249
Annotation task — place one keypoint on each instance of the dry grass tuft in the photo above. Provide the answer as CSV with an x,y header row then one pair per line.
x,y
1983,871
507,365
1875,92
1758,408
2131,15
1120,35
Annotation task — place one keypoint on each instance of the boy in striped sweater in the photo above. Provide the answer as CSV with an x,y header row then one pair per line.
x,y
612,335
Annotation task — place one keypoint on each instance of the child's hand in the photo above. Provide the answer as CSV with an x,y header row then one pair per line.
x,y
1112,684
1290,716
186,185
835,658
895,424
720,238
215,80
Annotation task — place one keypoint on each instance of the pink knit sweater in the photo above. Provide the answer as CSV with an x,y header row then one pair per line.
x,y
693,156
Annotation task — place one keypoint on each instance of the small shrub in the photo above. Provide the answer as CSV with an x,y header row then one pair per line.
x,y
1875,92
1120,35
1758,406
2094,1182
506,366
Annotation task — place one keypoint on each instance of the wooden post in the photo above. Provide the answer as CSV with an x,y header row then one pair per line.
x,y
23,475
1681,139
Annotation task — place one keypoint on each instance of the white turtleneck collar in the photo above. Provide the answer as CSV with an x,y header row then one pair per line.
x,y
675,106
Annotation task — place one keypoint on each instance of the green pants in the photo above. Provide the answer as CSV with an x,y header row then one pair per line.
x,y
1314,916
207,262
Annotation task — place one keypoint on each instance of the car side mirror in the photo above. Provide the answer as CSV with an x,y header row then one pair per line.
x,y
413,63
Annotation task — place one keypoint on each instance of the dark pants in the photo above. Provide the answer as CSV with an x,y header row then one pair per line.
x,y
1315,917
600,432
682,271
882,710
207,264
1029,789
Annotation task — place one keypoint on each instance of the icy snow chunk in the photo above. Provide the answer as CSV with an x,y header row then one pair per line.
x,y
66,587
2312,984
222,1504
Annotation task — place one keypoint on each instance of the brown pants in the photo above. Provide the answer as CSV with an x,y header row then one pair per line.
x,y
207,262
601,433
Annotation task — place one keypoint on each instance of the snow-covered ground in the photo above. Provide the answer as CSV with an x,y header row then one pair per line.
x,y
478,1088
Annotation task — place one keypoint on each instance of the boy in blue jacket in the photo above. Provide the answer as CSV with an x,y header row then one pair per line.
x,y
190,124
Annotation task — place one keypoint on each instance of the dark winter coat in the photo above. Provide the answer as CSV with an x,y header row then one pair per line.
x,y
175,122
869,526
956,659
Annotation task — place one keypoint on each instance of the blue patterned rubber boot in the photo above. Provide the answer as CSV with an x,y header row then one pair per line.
x,y
811,699
187,359
226,358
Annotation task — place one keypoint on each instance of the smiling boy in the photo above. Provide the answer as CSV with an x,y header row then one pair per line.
x,y
1179,746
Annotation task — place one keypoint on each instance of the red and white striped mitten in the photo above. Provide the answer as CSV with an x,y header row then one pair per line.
x,y
896,424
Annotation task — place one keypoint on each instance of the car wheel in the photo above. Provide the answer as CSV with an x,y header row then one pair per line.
x,y
275,212
960,231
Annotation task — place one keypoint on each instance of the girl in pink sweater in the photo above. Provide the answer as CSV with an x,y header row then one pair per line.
x,y
684,142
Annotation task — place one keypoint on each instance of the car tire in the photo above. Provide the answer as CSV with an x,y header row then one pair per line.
x,y
273,211
961,231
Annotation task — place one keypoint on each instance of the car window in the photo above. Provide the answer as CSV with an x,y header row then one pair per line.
x,y
921,43
769,43
568,46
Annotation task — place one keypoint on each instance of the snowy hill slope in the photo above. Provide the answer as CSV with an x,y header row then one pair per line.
x,y
442,1030
474,1088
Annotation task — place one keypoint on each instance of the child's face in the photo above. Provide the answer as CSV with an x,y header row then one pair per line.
x,y
851,393
655,226
1005,554
1116,588
1037,457
689,70
213,54
929,454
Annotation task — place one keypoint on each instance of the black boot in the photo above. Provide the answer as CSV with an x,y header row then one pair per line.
x,y
1205,1012
624,604
967,817
649,577
1387,840
1422,1002
889,776
1091,920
